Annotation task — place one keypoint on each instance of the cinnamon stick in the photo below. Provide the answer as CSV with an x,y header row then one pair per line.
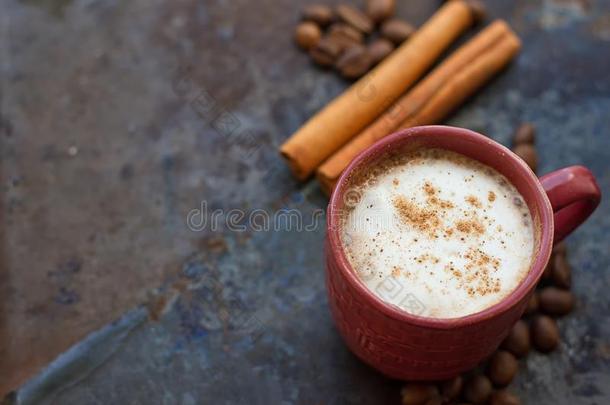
x,y
439,93
466,82
353,110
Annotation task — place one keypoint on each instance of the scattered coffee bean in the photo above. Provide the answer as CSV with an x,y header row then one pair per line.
x,y
502,368
379,49
354,17
548,270
319,13
345,30
379,10
397,30
526,133
528,154
326,52
307,35
451,389
354,62
478,389
418,393
518,340
560,248
545,333
554,301
532,304
345,35
479,12
562,272
503,397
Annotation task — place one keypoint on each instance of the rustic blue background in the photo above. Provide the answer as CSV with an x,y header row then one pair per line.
x,y
118,118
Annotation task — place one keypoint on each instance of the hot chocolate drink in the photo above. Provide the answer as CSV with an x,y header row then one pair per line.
x,y
436,233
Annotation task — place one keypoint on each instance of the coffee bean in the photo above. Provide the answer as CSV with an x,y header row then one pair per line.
x,y
318,13
478,389
554,301
478,10
354,17
562,272
560,248
545,334
326,52
548,270
451,389
418,393
502,368
379,10
345,35
503,397
307,35
397,30
532,304
528,154
354,62
518,340
526,133
379,49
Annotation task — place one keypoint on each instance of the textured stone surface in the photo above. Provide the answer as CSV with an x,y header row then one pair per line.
x,y
119,118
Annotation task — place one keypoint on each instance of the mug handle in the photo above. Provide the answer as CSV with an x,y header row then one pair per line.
x,y
574,195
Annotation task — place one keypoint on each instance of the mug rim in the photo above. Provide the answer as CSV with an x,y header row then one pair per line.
x,y
539,262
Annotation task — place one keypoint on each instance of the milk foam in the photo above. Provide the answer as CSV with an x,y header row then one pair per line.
x,y
438,234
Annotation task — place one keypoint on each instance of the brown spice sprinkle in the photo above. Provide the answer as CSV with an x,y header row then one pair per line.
x,y
491,196
396,271
480,258
477,277
444,204
426,220
474,201
456,273
429,189
470,226
427,257
433,199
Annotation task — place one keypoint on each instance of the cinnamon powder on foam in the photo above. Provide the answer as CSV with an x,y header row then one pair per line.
x,y
474,272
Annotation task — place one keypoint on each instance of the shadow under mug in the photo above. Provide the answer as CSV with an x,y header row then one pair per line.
x,y
410,347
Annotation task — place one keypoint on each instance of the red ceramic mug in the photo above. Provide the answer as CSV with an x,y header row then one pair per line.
x,y
410,347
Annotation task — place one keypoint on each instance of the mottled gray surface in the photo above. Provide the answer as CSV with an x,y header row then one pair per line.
x,y
110,136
